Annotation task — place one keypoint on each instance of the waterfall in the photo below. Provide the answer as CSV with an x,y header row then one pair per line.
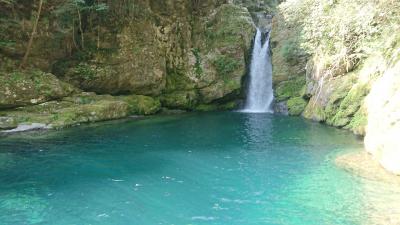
x,y
260,93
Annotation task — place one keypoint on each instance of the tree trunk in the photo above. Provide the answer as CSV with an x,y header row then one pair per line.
x,y
34,29
80,26
98,29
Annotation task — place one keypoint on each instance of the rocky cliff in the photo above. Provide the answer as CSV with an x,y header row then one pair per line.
x,y
95,61
337,62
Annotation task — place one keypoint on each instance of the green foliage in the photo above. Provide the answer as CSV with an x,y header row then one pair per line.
x,y
358,122
7,43
9,2
289,89
185,100
85,71
141,105
296,106
198,69
225,65
79,16
291,50
349,106
341,31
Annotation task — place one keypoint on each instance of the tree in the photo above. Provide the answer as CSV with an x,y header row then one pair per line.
x,y
33,34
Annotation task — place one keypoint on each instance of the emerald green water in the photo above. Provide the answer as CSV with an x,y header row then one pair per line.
x,y
212,168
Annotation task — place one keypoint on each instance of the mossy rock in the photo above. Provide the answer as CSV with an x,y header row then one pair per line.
x,y
358,122
7,123
224,49
186,100
348,107
24,88
289,89
296,105
72,110
314,112
217,107
99,111
141,105
176,80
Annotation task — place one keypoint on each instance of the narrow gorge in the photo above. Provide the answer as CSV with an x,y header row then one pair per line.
x,y
200,112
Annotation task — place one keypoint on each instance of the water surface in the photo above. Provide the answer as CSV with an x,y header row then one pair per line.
x,y
211,168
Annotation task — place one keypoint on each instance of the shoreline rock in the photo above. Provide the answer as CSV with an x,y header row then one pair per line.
x,y
28,127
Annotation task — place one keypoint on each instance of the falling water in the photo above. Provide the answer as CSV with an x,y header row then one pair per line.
x,y
260,94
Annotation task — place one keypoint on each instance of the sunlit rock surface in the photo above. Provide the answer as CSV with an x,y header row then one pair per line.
x,y
383,129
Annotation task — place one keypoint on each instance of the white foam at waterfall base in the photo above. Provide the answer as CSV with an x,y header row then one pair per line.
x,y
260,93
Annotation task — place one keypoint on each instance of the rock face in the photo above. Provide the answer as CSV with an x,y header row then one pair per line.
x,y
183,52
383,128
139,57
325,70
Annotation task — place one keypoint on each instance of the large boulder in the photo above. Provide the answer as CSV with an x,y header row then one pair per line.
x,y
30,88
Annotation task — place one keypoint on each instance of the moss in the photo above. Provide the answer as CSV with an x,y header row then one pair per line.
x,y
359,122
85,71
30,87
217,107
176,80
289,89
98,111
291,50
225,65
186,100
229,105
206,107
349,106
141,105
340,88
296,106
71,111
228,26
198,69
314,112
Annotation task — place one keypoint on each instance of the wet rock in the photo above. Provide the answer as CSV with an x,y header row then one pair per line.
x,y
28,127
